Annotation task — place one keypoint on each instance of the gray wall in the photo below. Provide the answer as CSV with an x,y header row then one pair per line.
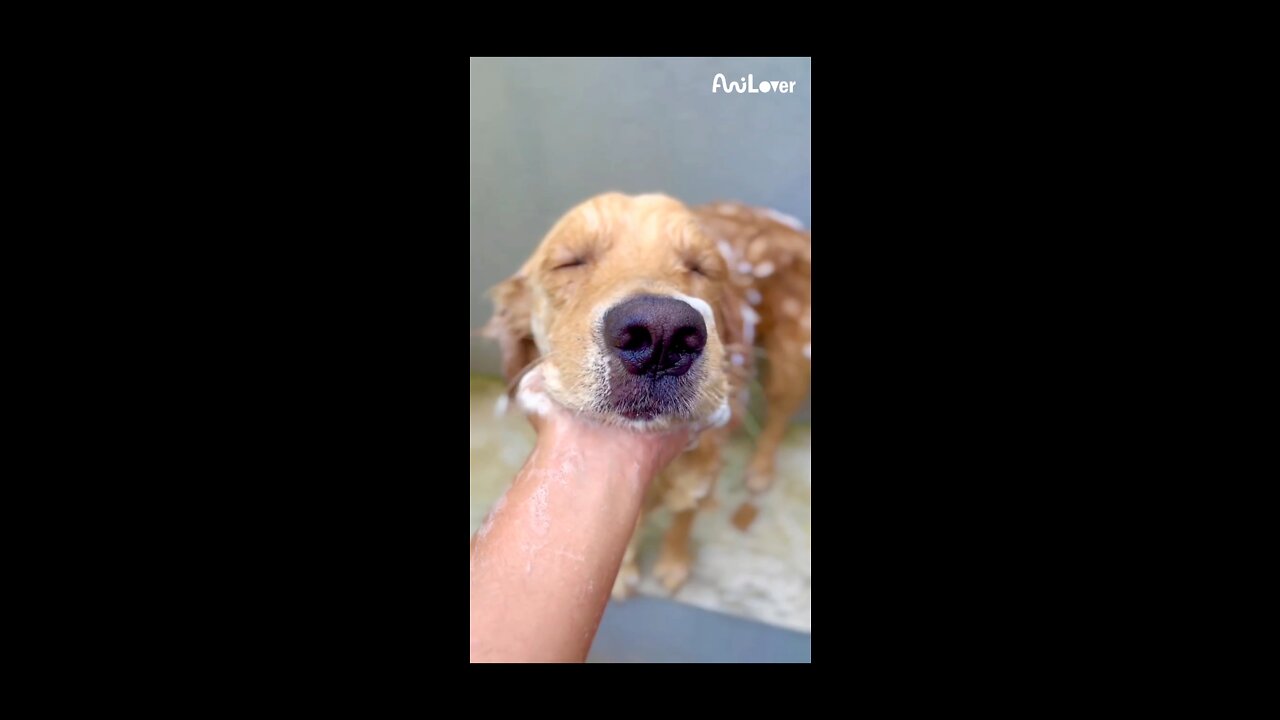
x,y
547,133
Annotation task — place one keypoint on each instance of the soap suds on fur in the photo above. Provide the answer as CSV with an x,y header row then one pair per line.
x,y
749,320
532,401
708,315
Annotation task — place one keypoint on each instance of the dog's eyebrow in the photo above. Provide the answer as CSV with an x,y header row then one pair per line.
x,y
564,249
566,253
590,246
690,238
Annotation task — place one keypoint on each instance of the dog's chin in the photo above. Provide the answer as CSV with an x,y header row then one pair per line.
x,y
537,397
642,420
647,421
644,414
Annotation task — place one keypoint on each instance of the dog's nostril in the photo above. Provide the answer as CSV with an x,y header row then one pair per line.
x,y
635,337
688,339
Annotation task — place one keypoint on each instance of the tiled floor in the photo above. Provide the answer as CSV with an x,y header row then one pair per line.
x,y
763,574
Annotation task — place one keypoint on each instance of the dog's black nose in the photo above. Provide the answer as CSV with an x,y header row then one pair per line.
x,y
655,335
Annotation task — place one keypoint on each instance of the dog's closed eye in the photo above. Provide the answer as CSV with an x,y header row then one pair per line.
x,y
564,258
703,266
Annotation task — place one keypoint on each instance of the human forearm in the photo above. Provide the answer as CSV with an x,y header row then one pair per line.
x,y
544,563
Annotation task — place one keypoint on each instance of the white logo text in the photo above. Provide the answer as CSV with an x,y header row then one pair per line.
x,y
748,85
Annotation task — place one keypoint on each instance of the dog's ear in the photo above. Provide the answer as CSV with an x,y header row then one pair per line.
x,y
510,326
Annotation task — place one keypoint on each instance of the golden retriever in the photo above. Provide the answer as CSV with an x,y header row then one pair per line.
x,y
640,311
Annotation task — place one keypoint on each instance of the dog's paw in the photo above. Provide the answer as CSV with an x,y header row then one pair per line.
x,y
673,571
